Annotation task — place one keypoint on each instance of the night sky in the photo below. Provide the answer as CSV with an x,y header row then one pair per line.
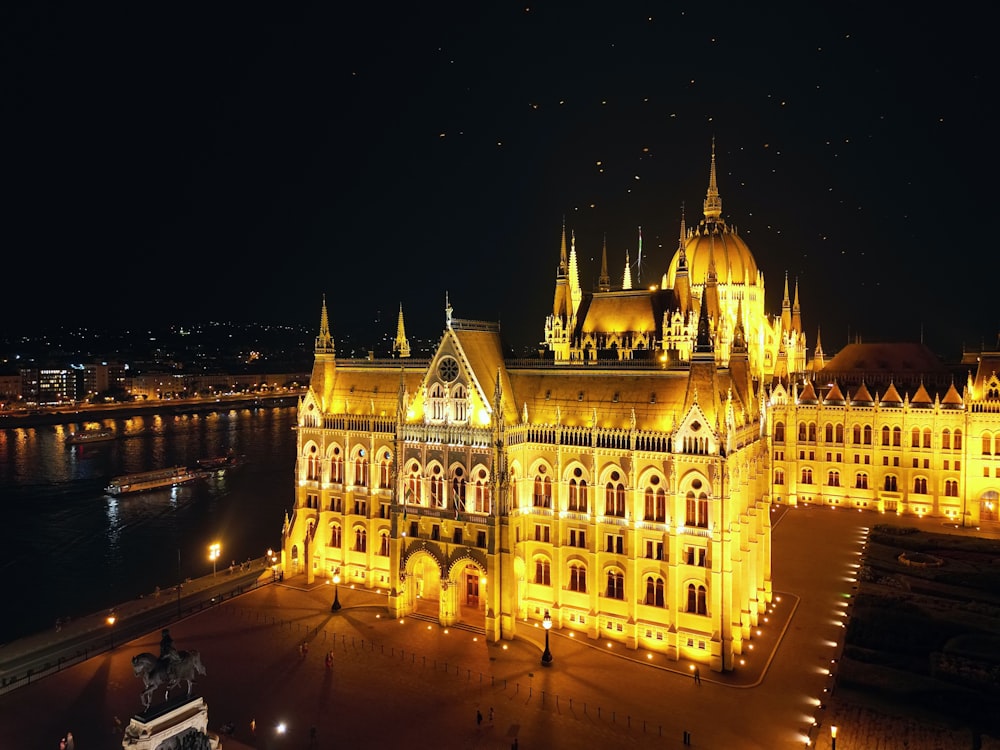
x,y
174,163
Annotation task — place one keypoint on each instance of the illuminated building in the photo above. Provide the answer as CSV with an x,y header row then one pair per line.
x,y
620,483
848,436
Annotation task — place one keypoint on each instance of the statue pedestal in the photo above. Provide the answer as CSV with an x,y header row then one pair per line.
x,y
173,719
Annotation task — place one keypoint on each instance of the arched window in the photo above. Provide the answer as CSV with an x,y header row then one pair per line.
x,y
920,485
616,585
484,493
861,481
414,492
840,434
458,488
543,492
460,403
656,504
361,470
383,543
996,444
335,538
807,476
437,403
542,572
654,591
577,578
946,439
614,496
868,434
578,492
696,510
802,431
897,437
927,437
437,487
812,432
987,443
828,432
697,599
360,540
779,476
958,440
951,488
890,483
779,432
312,465
885,435
915,437
833,478
337,466
857,434
385,471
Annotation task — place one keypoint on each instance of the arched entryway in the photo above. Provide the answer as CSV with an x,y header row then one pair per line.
x,y
423,579
469,594
988,506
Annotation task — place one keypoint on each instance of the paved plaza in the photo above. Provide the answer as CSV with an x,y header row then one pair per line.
x,y
413,682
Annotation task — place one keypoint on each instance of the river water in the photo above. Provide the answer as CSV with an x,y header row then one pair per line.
x,y
68,549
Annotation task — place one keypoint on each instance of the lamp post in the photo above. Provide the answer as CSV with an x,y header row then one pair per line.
x,y
336,591
214,550
833,737
546,654
111,624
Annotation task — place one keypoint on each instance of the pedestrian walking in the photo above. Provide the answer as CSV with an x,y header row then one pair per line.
x,y
479,717
697,676
491,714
513,745
62,743
329,659
253,727
116,725
70,744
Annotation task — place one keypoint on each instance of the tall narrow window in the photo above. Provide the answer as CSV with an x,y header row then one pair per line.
x,y
616,585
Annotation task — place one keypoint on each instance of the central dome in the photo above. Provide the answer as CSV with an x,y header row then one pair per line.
x,y
713,239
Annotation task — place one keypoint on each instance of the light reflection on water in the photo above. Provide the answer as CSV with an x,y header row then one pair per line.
x,y
69,549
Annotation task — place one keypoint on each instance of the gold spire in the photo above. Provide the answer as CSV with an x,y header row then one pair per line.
x,y
401,345
627,280
713,203
324,342
563,265
604,283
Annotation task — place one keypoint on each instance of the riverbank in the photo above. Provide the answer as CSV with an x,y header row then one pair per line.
x,y
87,413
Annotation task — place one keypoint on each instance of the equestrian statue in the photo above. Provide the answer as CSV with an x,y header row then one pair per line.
x,y
168,670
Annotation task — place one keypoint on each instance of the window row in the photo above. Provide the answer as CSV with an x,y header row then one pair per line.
x,y
890,484
864,434
614,588
360,540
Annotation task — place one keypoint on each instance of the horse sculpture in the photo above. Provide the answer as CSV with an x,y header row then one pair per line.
x,y
167,672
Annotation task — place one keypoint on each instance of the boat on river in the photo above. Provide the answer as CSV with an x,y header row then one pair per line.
x,y
85,437
219,463
152,480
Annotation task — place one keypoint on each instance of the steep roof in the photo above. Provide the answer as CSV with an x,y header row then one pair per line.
x,y
888,357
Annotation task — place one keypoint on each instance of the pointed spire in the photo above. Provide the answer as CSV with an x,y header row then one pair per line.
x,y
324,342
627,280
447,310
703,343
796,311
563,265
786,310
400,345
575,293
713,203
604,282
739,334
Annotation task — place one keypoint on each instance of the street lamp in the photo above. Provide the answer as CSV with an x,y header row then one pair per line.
x,y
111,624
833,737
214,550
336,591
546,654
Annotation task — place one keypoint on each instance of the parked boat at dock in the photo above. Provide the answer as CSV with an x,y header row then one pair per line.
x,y
84,437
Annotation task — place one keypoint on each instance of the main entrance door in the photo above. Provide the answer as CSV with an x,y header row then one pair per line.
x,y
472,588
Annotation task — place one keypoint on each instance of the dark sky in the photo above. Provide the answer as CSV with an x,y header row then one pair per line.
x,y
232,161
